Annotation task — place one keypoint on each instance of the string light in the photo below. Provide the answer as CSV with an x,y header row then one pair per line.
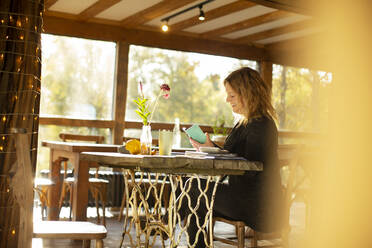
x,y
13,232
3,138
1,148
2,21
4,119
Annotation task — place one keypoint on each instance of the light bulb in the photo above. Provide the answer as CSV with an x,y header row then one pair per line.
x,y
165,27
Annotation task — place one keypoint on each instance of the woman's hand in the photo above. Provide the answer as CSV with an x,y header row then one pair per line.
x,y
197,145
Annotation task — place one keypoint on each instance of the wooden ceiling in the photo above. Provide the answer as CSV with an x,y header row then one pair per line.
x,y
239,28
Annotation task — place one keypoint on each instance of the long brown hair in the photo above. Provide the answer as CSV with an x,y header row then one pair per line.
x,y
253,91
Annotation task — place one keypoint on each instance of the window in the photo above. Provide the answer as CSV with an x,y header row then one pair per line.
x,y
197,91
77,77
76,82
300,98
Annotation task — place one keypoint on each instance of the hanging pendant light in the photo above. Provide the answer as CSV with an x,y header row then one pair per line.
x,y
201,14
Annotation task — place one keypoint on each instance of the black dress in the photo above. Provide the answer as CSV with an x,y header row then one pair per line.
x,y
255,197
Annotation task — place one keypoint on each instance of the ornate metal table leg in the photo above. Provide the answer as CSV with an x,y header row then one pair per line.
x,y
196,196
144,195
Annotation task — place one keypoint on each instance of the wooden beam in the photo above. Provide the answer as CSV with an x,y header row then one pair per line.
x,y
276,31
96,8
120,92
212,14
269,17
305,42
153,12
49,3
61,26
296,6
75,122
309,52
307,58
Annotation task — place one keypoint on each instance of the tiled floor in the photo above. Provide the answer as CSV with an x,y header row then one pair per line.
x,y
114,228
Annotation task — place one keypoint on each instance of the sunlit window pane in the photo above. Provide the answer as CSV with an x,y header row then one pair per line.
x,y
77,77
300,98
197,91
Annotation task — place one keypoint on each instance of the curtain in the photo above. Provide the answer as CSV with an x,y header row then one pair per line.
x,y
20,70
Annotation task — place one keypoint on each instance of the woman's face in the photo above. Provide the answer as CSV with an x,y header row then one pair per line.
x,y
234,99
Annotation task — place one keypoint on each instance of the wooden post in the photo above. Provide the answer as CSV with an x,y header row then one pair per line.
x,y
20,66
21,185
120,92
266,72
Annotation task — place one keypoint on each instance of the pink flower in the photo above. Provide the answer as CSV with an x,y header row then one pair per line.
x,y
165,87
166,90
141,89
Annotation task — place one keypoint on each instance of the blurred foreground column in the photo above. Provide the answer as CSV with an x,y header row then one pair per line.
x,y
20,69
342,204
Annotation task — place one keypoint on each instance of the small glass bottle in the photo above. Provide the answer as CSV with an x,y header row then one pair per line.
x,y
176,134
146,140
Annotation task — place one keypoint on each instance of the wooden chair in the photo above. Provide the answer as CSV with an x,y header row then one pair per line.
x,y
42,186
97,186
288,160
79,230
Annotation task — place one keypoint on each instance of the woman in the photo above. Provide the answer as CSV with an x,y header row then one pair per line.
x,y
255,197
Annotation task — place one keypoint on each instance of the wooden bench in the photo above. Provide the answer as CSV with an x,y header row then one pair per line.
x,y
79,230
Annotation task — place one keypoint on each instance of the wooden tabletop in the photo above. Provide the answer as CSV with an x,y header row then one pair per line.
x,y
80,147
173,164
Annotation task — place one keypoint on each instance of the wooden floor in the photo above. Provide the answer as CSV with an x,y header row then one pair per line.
x,y
114,229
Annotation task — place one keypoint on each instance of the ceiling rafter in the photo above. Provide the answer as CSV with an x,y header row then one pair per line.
x,y
304,7
62,26
276,31
269,17
303,42
153,12
49,3
96,8
212,14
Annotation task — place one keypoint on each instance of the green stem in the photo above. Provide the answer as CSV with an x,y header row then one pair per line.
x,y
153,109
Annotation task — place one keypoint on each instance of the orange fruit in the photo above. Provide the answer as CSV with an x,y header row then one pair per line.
x,y
133,146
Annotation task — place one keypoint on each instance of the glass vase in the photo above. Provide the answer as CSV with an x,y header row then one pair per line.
x,y
146,140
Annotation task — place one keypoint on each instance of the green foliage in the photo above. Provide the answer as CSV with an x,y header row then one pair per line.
x,y
192,99
219,126
142,111
302,99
